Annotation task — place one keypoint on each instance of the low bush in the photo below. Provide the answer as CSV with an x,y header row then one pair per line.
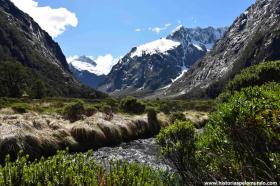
x,y
106,109
90,110
80,169
165,107
132,105
177,116
74,111
256,75
20,108
178,145
252,76
241,141
243,136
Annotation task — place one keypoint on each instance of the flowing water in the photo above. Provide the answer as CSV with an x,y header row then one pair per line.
x,y
144,151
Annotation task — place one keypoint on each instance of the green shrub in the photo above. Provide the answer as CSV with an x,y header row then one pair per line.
x,y
20,108
106,109
178,145
166,107
253,76
242,139
132,105
81,169
177,116
90,110
113,103
241,142
74,111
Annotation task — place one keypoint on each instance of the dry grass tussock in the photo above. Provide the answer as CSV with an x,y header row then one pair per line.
x,y
42,135
199,119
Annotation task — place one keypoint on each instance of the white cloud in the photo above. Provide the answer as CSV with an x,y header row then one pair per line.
x,y
104,64
159,29
167,25
54,21
154,29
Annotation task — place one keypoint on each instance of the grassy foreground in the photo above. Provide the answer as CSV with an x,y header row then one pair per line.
x,y
51,124
80,169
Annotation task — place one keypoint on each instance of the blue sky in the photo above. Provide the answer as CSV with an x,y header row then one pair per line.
x,y
109,26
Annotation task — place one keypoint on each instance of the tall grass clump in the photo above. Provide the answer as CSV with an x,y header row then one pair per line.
x,y
153,121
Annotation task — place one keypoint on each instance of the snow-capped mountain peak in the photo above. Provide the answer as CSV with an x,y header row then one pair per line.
x,y
154,66
159,46
178,28
201,38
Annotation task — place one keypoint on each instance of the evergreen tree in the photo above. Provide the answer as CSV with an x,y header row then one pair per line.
x,y
13,78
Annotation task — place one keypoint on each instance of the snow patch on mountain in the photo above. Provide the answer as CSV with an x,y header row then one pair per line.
x,y
178,28
184,69
159,46
198,47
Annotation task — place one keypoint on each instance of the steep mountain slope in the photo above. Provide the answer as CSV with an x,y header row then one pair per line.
x,y
84,69
154,66
254,37
22,40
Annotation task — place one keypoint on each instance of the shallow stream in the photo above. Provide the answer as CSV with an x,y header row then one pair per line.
x,y
144,151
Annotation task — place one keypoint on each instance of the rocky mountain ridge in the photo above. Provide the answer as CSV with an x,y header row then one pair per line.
x,y
254,37
155,65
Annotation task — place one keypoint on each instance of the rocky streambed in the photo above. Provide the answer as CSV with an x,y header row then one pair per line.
x,y
144,151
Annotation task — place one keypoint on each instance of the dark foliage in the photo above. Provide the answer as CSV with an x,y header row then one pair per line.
x,y
153,120
132,105
13,79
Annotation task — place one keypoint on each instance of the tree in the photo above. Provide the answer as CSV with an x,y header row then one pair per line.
x,y
38,90
13,77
